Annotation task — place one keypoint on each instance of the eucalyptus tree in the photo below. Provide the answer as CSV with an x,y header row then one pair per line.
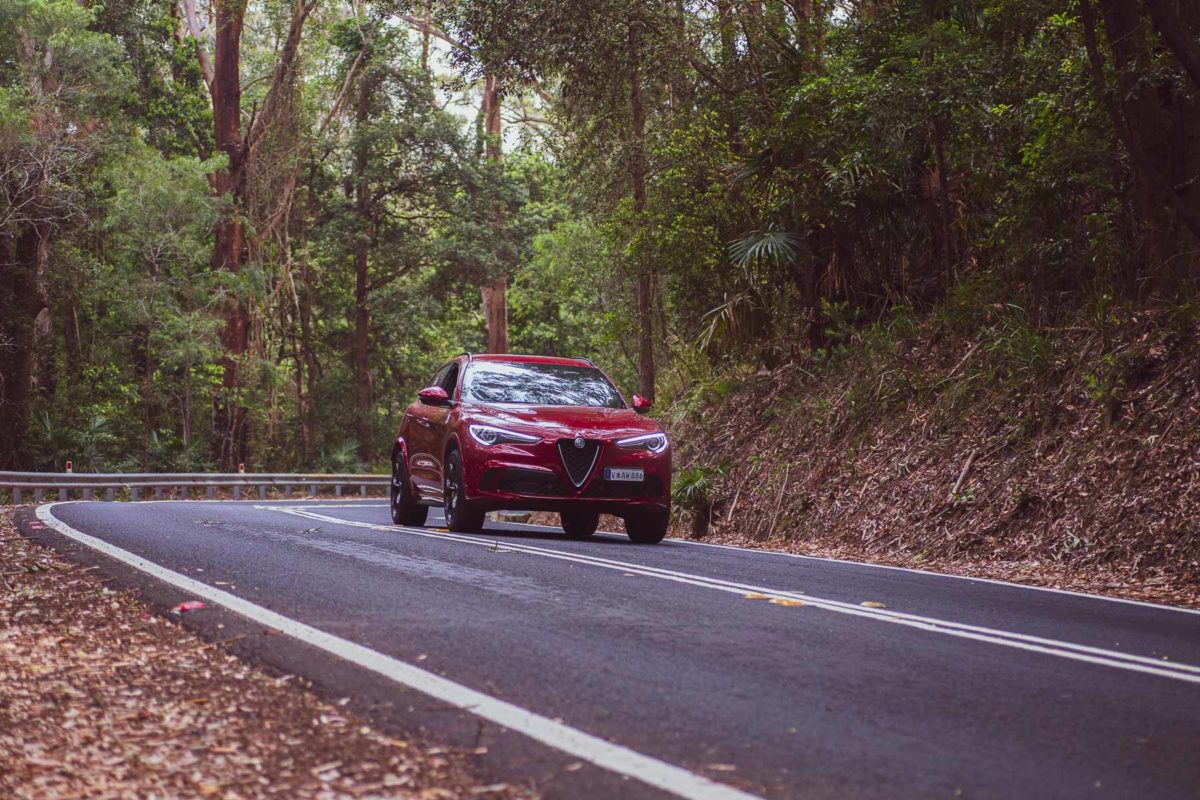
x,y
60,84
1151,91
241,144
611,61
396,165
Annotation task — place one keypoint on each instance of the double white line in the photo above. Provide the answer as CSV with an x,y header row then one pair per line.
x,y
1020,641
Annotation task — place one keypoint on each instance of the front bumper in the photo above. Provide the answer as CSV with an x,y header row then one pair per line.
x,y
533,478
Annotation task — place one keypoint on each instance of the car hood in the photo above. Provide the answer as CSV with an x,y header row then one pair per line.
x,y
564,421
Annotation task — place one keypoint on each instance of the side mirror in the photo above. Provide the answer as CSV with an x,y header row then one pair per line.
x,y
641,404
434,396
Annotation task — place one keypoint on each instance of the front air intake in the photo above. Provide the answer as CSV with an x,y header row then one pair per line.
x,y
578,461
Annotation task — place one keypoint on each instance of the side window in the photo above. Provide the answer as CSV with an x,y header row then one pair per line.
x,y
450,380
438,377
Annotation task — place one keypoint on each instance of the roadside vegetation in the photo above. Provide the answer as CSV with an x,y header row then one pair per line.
x,y
915,279
971,439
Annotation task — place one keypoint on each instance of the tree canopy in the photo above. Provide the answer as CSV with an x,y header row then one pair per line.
x,y
249,230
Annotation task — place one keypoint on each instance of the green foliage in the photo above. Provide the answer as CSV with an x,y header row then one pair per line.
x,y
694,492
799,190
693,488
91,445
340,458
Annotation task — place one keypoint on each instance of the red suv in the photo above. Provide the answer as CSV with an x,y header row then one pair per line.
x,y
530,433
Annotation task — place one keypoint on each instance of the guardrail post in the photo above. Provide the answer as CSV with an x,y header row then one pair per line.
x,y
210,492
362,490
62,495
38,495
237,492
16,495
287,491
312,490
85,493
337,490
135,493
109,494
158,493
262,491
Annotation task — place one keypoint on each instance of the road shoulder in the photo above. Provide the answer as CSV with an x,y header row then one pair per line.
x,y
104,697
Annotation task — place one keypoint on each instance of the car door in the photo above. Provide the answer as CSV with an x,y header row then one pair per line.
x,y
438,418
424,452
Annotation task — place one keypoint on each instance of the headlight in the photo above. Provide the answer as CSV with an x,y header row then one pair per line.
x,y
488,436
654,442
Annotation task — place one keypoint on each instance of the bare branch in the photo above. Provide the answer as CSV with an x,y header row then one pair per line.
x,y
426,27
290,188
198,30
282,78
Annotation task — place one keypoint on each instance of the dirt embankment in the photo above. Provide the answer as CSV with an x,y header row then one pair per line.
x,y
100,698
972,443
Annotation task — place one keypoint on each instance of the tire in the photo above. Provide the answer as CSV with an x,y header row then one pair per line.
x,y
460,516
578,524
405,508
647,527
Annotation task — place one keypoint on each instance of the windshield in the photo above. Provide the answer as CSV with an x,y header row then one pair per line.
x,y
536,384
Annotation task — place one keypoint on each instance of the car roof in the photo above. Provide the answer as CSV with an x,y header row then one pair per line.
x,y
515,358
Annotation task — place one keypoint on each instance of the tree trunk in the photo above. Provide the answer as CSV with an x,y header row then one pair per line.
x,y
1178,23
229,414
361,342
45,362
24,300
637,174
938,188
427,19
729,63
495,314
495,292
1153,120
306,389
361,347
140,357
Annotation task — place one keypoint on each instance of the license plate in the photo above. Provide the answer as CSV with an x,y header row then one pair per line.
x,y
611,474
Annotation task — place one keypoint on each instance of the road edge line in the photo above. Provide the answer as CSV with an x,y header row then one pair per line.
x,y
559,736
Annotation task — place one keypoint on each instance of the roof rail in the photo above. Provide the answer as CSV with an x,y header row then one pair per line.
x,y
467,354
584,359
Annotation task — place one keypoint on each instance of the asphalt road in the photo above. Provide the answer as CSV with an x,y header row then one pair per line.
x,y
753,670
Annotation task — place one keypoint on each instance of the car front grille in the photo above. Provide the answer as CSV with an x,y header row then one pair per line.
x,y
578,461
531,483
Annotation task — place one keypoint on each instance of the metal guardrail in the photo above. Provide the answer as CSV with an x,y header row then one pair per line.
x,y
114,484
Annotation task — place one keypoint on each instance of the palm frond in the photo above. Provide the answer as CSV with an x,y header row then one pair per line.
x,y
779,247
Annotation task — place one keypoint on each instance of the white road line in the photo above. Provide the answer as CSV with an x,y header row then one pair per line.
x,y
936,574
606,755
766,551
1020,641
